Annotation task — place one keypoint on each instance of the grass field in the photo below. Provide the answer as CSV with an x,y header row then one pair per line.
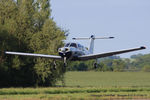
x,y
107,79
88,86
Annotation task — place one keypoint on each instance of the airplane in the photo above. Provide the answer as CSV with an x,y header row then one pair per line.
x,y
76,52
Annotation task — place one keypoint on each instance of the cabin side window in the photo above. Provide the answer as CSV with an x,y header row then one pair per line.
x,y
80,47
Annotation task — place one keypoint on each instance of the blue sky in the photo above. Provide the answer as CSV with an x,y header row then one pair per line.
x,y
127,20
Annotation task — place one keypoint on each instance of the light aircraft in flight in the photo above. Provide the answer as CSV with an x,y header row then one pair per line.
x,y
76,52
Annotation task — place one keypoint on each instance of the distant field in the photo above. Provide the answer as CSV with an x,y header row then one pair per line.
x,y
88,86
107,79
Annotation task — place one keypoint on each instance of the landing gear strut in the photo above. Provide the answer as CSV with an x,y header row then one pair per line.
x,y
54,65
65,65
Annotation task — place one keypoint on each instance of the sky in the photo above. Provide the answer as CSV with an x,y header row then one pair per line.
x,y
126,20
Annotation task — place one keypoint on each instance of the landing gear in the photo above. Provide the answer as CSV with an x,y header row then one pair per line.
x,y
95,64
65,65
54,65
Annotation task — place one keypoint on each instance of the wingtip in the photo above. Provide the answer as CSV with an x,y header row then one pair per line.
x,y
143,47
111,37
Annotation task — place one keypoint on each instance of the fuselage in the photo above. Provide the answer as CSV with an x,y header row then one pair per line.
x,y
72,51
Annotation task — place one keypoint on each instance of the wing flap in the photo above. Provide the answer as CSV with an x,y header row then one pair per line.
x,y
95,56
34,55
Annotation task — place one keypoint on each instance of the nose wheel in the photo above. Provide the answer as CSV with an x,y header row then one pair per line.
x,y
65,65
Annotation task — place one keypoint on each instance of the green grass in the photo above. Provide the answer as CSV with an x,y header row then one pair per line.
x,y
107,79
68,93
88,86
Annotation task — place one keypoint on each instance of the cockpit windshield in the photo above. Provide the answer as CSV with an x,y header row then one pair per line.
x,y
73,45
67,45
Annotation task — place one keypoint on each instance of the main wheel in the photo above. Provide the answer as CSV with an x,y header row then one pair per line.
x,y
95,65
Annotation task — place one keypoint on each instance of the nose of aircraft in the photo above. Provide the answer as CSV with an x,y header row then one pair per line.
x,y
65,52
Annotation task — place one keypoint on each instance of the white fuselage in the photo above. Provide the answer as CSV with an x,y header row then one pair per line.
x,y
73,50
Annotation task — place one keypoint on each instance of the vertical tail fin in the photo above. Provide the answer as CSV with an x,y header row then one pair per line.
x,y
92,38
91,46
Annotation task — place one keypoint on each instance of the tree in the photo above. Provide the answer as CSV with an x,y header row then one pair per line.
x,y
47,41
78,66
118,65
26,26
101,67
140,61
146,68
136,56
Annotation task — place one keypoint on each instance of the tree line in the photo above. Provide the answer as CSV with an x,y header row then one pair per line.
x,y
137,62
27,26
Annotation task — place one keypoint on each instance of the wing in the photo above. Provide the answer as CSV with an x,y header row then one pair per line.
x,y
34,55
94,56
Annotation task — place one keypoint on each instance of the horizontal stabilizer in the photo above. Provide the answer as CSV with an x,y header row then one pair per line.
x,y
81,38
92,37
105,38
